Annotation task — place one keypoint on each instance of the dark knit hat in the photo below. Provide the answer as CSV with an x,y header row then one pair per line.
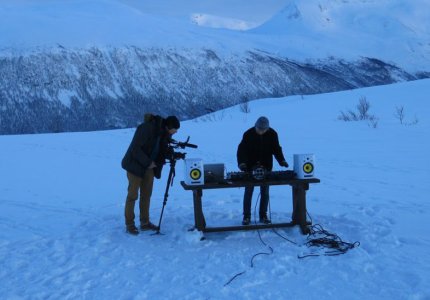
x,y
172,122
262,123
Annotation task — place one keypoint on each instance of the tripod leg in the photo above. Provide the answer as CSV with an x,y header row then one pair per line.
x,y
166,193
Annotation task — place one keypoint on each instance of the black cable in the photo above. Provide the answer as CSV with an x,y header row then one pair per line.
x,y
310,218
259,235
234,277
283,237
322,238
319,237
257,254
275,231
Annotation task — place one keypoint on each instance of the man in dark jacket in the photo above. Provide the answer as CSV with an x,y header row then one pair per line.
x,y
256,149
143,161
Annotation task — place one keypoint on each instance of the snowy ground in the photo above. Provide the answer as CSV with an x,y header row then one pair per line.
x,y
62,196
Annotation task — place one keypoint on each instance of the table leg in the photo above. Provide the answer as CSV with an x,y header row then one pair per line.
x,y
199,218
299,207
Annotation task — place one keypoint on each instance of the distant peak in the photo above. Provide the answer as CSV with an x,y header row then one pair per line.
x,y
207,20
291,11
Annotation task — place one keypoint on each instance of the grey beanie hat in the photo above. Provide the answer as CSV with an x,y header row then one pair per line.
x,y
262,123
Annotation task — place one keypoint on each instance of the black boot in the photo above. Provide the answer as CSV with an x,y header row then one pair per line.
x,y
132,229
264,219
148,226
246,220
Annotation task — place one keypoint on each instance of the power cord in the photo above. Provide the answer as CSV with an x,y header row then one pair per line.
x,y
259,235
261,240
317,237
275,231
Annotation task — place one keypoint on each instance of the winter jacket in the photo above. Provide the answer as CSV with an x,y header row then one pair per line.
x,y
149,144
255,149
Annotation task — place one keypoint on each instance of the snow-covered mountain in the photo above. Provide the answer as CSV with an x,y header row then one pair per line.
x,y
392,30
88,65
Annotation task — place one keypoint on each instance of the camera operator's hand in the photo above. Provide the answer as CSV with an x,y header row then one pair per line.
x,y
242,167
152,165
283,164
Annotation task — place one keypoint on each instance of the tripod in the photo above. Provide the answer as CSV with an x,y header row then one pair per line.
x,y
166,193
173,157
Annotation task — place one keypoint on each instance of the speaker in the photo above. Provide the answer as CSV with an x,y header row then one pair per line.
x,y
304,165
194,173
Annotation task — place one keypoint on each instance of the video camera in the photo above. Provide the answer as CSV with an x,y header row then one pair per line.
x,y
172,155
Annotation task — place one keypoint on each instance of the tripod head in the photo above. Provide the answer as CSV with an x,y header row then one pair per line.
x,y
172,155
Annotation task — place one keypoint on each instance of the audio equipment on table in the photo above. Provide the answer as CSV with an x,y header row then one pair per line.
x,y
304,165
258,176
194,173
214,173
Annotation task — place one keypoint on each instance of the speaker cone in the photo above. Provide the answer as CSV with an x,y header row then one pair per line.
x,y
308,167
195,174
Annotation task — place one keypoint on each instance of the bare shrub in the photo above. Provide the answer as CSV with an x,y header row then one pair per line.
x,y
346,116
361,114
363,107
414,121
245,107
373,121
400,113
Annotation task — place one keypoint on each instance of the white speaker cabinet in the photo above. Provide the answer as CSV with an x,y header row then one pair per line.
x,y
194,173
304,165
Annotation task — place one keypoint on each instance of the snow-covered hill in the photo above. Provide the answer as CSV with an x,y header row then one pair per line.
x,y
98,64
62,199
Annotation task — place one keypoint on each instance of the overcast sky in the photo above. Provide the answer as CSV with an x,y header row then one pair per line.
x,y
255,11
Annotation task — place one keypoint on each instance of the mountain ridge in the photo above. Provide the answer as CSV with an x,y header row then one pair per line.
x,y
95,89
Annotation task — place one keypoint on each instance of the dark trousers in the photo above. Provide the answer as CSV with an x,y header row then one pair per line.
x,y
247,199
